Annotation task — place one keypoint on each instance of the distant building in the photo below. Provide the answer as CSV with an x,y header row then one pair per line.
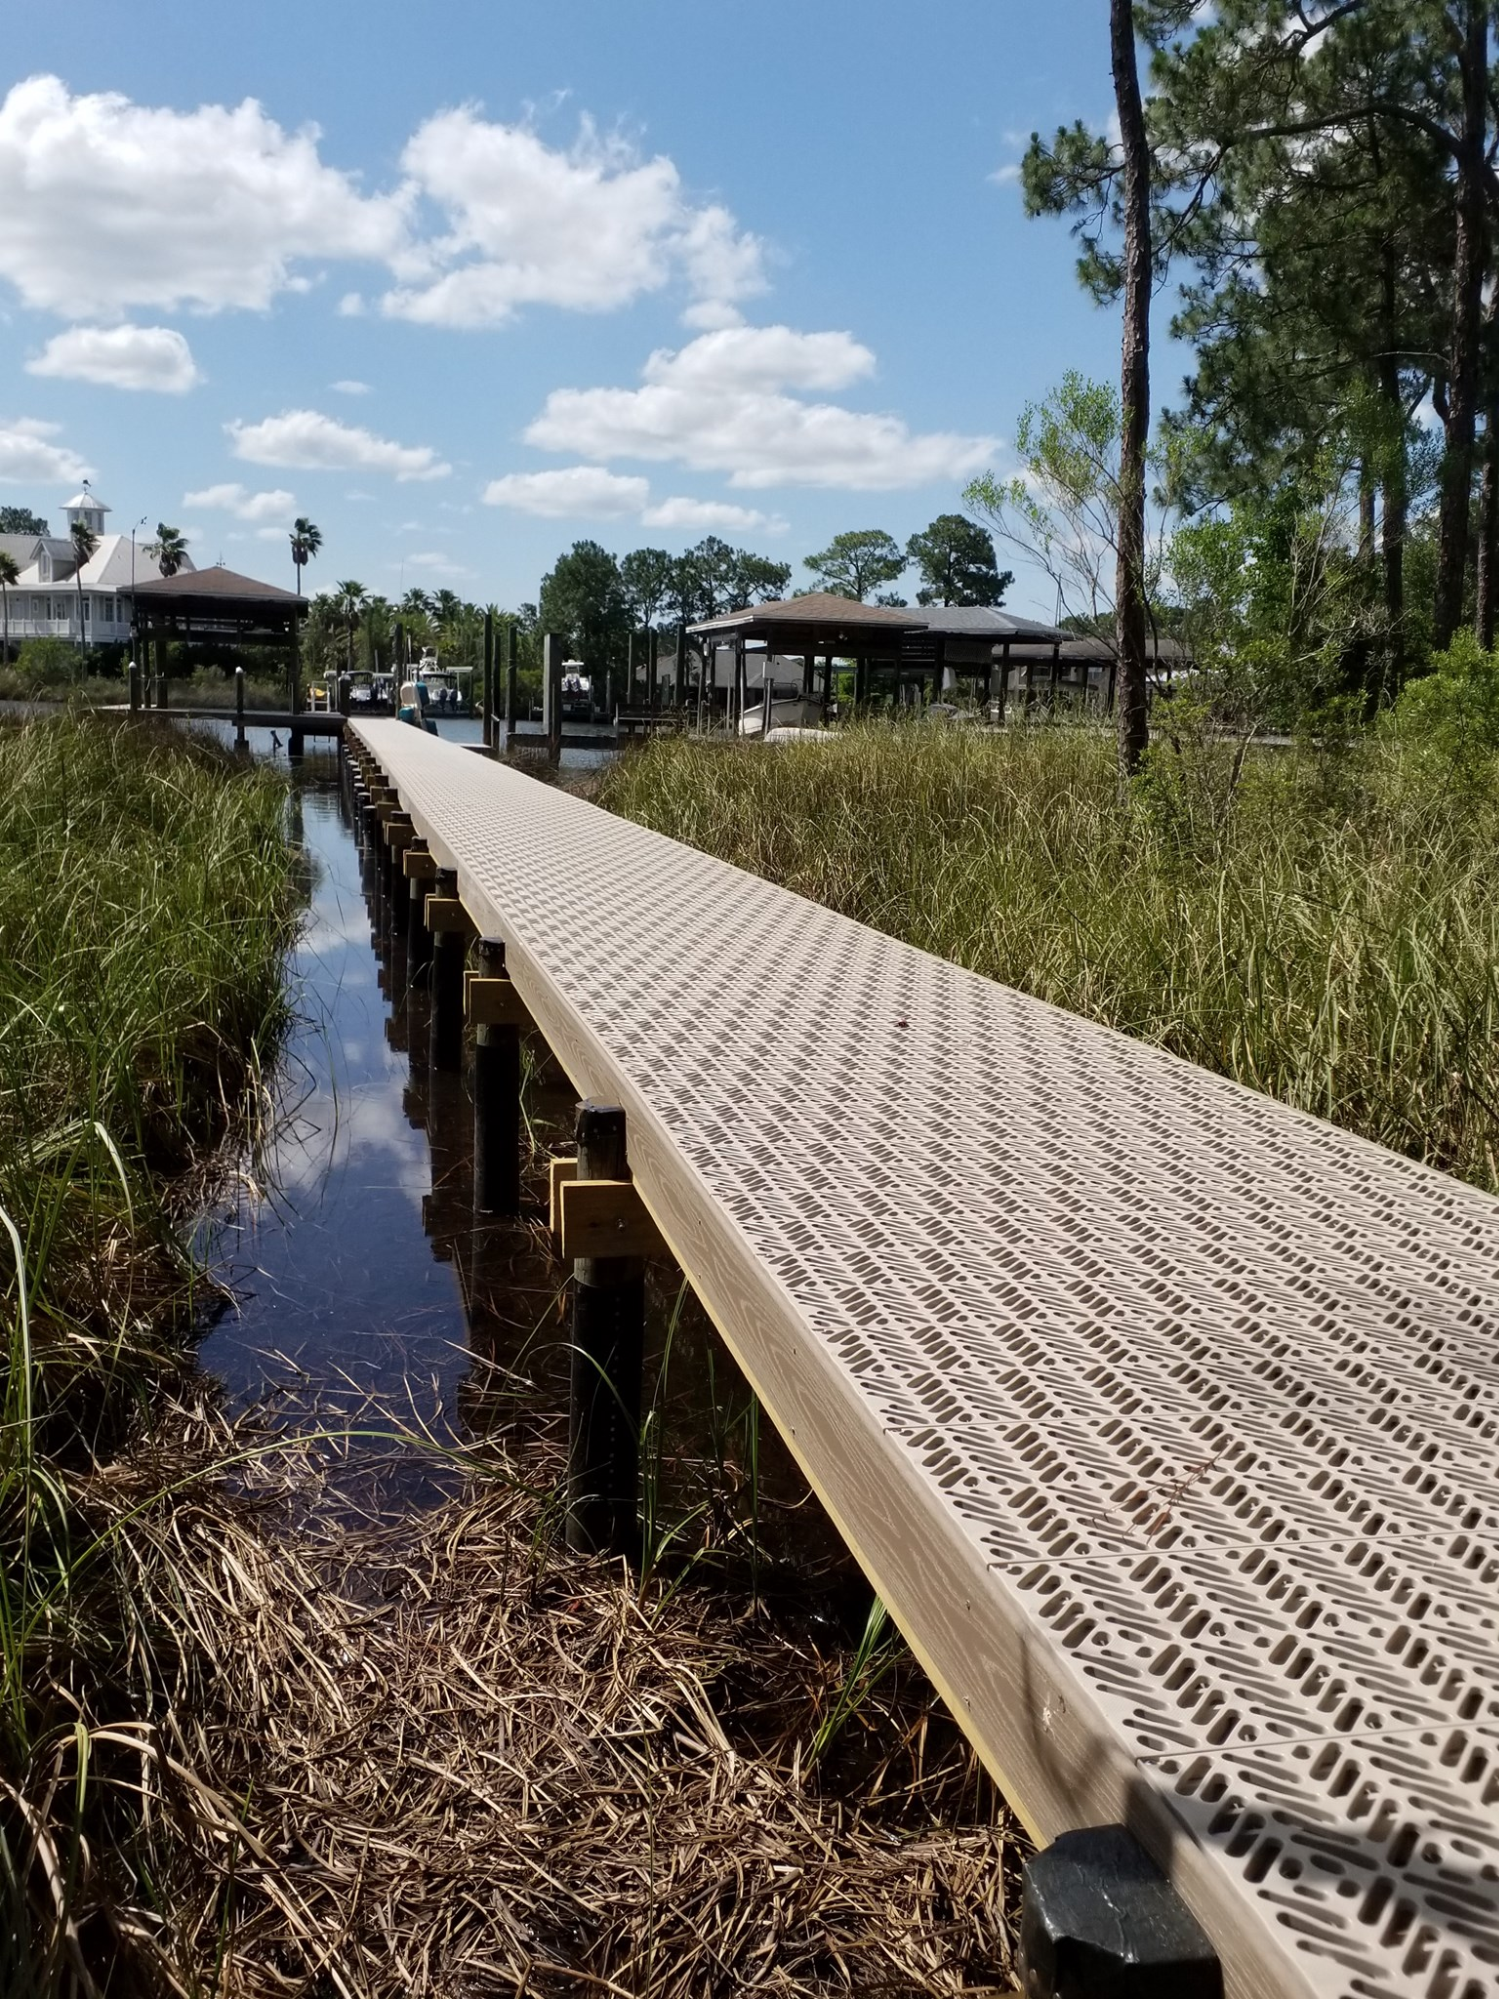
x,y
44,603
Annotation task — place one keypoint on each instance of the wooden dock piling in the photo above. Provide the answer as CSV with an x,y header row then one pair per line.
x,y
446,977
494,1011
609,1316
420,870
552,666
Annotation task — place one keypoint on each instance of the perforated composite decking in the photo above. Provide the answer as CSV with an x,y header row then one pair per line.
x,y
1161,1416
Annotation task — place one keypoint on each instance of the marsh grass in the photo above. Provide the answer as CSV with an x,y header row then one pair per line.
x,y
1318,923
146,905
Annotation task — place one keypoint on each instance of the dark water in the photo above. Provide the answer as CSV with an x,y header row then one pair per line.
x,y
368,1298
364,1290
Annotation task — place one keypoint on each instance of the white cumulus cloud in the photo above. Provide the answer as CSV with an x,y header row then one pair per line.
x,y
588,228
684,512
585,490
721,404
106,204
306,440
120,357
435,563
28,453
233,498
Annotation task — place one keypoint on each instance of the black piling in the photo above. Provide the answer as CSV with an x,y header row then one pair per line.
x,y
604,1412
497,1103
446,982
418,936
1099,1920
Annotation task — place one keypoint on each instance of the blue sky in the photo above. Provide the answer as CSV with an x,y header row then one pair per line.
x,y
470,284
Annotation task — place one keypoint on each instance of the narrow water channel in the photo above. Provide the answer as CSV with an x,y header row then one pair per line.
x,y
366,1295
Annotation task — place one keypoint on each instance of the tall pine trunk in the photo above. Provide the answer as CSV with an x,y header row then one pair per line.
x,y
1484,573
1135,396
1489,528
1464,337
1394,494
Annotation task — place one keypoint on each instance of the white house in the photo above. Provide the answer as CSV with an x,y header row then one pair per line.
x,y
44,602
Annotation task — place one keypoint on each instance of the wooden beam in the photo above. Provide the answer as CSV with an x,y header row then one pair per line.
x,y
493,1002
418,865
559,1173
605,1218
447,915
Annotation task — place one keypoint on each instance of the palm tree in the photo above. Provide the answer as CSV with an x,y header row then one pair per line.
x,y
169,550
350,598
84,541
10,572
306,539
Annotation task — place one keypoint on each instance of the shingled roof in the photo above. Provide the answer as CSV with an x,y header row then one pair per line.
x,y
219,583
818,607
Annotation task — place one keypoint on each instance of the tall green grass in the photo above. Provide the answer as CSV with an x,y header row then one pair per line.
x,y
146,906
1319,923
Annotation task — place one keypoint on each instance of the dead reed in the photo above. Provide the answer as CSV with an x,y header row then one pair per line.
x,y
445,1757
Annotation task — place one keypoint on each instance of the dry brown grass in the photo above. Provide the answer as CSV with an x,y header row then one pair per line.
x,y
446,1757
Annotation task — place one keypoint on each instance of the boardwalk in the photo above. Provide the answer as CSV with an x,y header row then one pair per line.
x,y
1161,1416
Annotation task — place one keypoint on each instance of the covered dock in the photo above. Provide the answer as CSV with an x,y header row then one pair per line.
x,y
217,606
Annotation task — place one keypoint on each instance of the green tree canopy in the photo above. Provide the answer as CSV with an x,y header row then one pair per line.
x,y
855,563
1326,173
21,520
584,598
646,574
955,559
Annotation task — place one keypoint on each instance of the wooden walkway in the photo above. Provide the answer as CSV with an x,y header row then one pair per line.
x,y
1161,1416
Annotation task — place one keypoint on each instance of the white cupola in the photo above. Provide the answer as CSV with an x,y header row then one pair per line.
x,y
88,508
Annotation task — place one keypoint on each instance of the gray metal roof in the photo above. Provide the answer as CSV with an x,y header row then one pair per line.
x,y
983,621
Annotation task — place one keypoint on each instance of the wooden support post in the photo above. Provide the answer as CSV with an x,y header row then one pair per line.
x,y
552,664
652,690
488,729
738,719
807,676
161,673
679,672
604,1409
512,668
398,838
421,872
1099,1920
134,683
1052,674
497,1099
395,832
446,979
